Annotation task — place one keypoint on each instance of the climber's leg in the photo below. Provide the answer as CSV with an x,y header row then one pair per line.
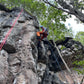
x,y
39,39
39,44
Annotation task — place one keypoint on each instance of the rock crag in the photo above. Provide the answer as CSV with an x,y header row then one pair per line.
x,y
21,62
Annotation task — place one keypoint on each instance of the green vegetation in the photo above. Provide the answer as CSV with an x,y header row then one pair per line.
x,y
79,63
47,16
62,47
73,7
80,37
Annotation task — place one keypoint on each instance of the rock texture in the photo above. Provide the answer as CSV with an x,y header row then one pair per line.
x,y
21,62
73,50
55,72
18,65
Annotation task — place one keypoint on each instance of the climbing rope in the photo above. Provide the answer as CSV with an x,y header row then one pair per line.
x,y
4,40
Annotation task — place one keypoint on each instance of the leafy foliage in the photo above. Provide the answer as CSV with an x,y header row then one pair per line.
x,y
57,30
47,16
79,63
73,7
80,37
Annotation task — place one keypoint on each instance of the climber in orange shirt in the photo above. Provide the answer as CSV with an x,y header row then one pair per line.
x,y
42,34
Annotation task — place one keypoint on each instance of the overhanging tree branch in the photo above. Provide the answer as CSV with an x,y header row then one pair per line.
x,y
56,7
67,8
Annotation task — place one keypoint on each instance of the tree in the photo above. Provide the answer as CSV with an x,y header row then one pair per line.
x,y
74,7
34,7
47,16
52,20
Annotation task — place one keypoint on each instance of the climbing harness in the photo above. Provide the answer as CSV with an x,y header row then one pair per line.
x,y
4,40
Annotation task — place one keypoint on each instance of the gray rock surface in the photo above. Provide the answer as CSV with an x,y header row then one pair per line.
x,y
21,62
3,67
17,61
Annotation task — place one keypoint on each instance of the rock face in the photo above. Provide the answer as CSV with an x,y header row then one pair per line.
x,y
73,50
18,65
55,72
21,62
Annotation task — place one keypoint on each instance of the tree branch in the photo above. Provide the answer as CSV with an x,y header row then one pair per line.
x,y
66,7
57,7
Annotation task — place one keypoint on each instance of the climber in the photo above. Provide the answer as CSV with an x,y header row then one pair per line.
x,y
42,34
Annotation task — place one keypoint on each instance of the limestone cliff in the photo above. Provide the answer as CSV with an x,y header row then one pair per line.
x,y
21,62
18,64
